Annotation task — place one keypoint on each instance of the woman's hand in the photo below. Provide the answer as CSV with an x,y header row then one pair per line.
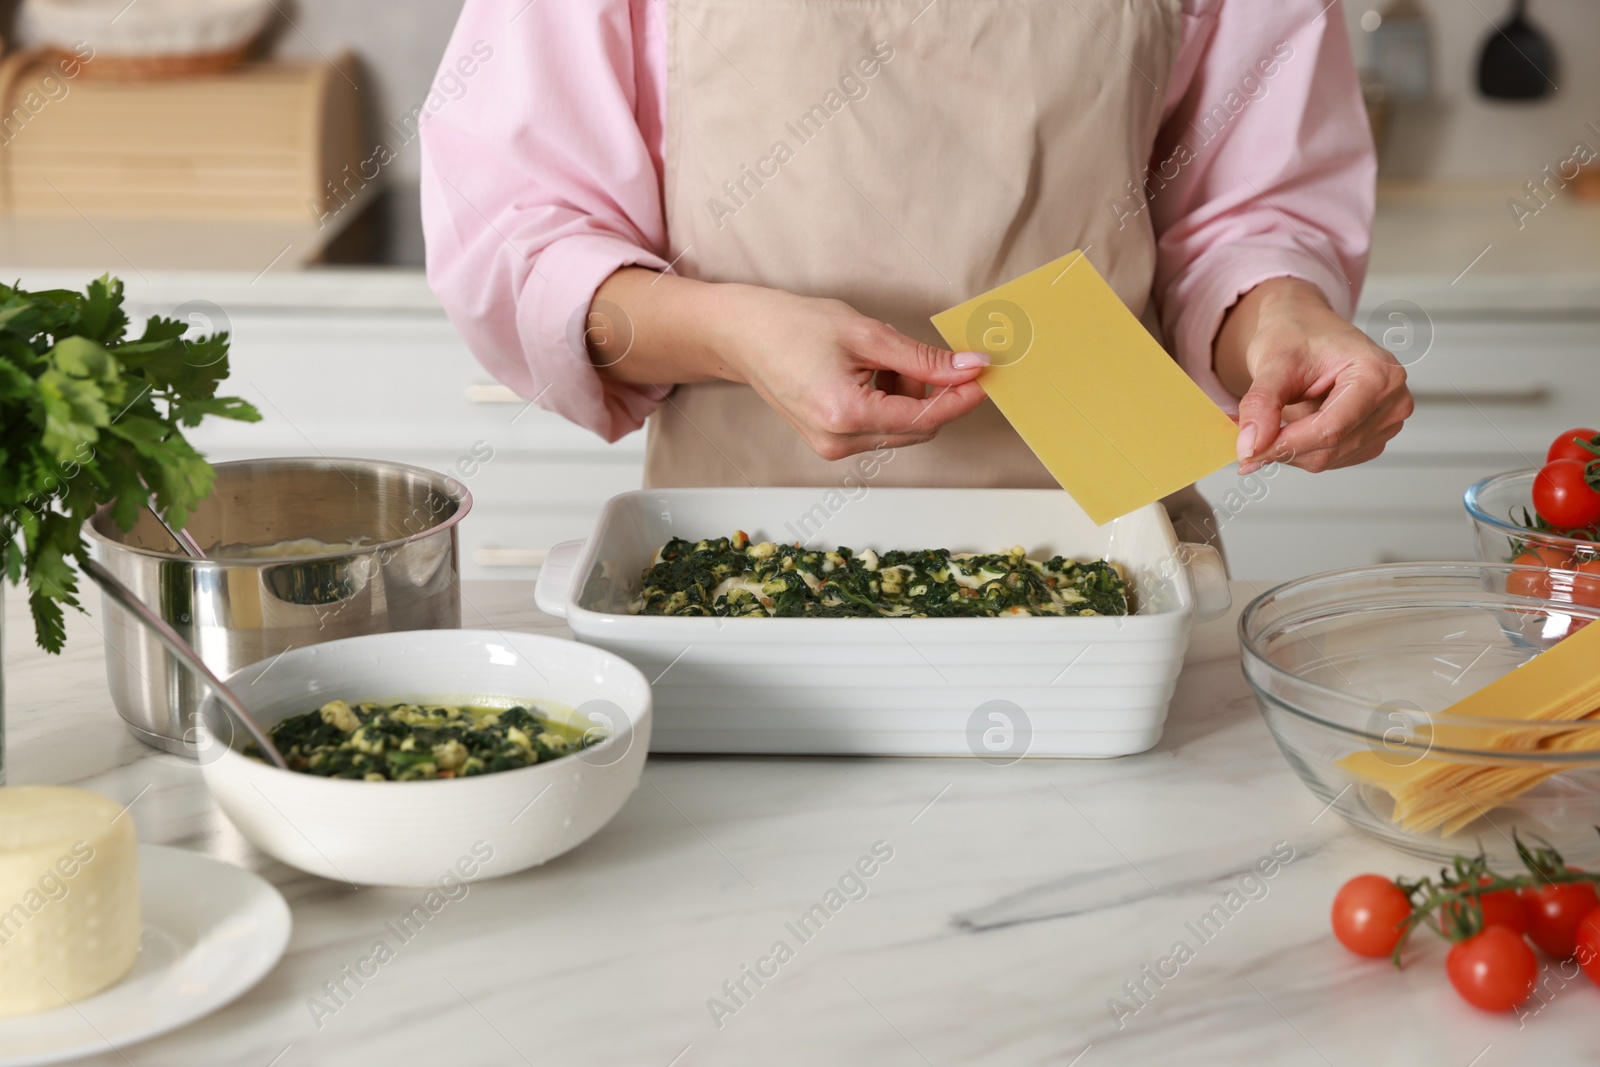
x,y
1315,391
845,382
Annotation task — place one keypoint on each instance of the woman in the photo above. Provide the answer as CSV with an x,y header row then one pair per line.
x,y
734,218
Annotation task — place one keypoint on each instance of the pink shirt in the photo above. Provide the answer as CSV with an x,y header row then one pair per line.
x,y
542,164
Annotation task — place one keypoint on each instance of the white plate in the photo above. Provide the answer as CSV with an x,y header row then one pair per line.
x,y
211,931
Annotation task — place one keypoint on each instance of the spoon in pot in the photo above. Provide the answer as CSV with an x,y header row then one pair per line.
x,y
190,546
180,648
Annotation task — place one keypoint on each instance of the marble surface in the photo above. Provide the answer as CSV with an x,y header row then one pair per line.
x,y
1015,905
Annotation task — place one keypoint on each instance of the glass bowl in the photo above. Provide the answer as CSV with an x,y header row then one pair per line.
x,y
1354,670
1494,506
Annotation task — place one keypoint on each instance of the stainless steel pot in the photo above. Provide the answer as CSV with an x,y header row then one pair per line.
x,y
237,611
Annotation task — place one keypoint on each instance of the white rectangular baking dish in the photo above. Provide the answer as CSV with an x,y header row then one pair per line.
x,y
994,688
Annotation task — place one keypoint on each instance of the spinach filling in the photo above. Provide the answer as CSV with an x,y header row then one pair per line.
x,y
413,742
729,576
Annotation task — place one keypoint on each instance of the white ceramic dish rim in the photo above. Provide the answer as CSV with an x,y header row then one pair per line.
x,y
275,938
1202,577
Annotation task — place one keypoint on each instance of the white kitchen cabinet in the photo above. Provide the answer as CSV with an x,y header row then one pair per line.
x,y
1491,393
397,383
364,363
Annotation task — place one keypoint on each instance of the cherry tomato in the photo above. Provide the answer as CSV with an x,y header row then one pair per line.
x,y
1565,447
1588,951
1554,912
1367,913
1502,908
1563,497
1586,587
1494,970
1535,583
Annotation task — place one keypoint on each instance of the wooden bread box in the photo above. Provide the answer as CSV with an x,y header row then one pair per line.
x,y
261,143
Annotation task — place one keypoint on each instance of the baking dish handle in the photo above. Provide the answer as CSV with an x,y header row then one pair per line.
x,y
1209,576
551,592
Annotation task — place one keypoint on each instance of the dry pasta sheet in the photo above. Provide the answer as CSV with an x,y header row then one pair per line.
x,y
1561,684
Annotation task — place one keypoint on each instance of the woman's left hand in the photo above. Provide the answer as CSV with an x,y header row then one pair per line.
x,y
1316,392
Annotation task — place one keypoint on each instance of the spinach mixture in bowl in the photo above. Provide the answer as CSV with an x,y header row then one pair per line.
x,y
730,576
406,742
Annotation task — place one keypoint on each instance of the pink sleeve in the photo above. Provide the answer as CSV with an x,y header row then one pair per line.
x,y
1264,168
540,178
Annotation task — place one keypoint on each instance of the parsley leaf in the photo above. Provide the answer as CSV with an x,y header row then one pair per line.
x,y
90,417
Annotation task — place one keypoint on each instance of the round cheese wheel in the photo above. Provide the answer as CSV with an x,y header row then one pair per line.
x,y
69,896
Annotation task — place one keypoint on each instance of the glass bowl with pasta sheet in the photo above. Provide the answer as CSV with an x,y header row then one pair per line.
x,y
1359,674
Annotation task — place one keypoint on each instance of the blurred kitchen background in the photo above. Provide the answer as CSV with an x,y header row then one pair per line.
x,y
219,192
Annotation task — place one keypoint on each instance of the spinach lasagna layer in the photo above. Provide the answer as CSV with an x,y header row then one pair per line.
x,y
729,576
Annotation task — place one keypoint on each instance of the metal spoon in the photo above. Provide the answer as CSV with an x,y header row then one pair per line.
x,y
190,546
180,648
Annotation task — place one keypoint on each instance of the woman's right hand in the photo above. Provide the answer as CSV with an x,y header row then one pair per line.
x,y
845,382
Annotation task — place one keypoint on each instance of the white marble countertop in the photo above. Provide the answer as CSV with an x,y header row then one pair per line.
x,y
1016,904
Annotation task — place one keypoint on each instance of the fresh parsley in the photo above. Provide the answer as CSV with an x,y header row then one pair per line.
x,y
88,417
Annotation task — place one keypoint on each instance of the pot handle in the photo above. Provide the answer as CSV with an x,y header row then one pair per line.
x,y
1209,576
554,585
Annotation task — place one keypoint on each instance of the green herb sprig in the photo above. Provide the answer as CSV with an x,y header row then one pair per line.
x,y
1452,905
88,417
1535,525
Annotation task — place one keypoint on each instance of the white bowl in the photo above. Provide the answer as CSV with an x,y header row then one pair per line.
x,y
148,28
422,833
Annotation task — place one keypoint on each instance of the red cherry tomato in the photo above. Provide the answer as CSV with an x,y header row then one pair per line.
x,y
1563,497
1503,908
1586,587
1367,913
1565,447
1588,948
1554,912
1532,582
1494,970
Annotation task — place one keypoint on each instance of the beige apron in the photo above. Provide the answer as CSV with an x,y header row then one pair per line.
x,y
901,156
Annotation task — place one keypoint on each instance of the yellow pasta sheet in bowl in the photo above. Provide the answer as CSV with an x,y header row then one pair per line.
x,y
1455,779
